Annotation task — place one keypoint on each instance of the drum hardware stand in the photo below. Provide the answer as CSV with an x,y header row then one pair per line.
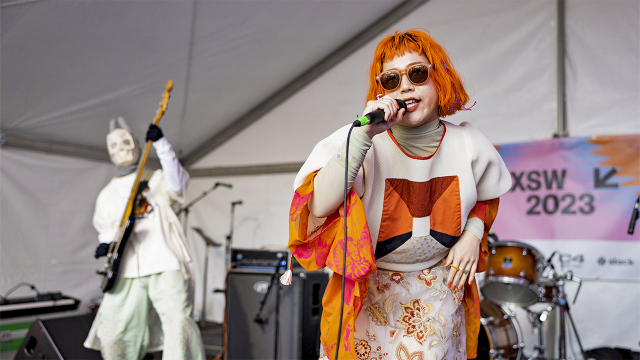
x,y
536,319
565,313
563,305
208,242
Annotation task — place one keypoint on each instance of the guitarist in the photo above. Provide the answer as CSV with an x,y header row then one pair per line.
x,y
154,269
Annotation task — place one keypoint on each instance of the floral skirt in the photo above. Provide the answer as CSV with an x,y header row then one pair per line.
x,y
411,316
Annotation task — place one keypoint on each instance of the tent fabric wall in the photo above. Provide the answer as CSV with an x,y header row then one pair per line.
x,y
603,67
505,51
46,207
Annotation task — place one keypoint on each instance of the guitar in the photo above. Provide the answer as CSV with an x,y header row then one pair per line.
x,y
110,270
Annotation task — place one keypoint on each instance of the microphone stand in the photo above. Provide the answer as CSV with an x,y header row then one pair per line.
x,y
227,259
634,217
187,207
227,263
260,319
208,242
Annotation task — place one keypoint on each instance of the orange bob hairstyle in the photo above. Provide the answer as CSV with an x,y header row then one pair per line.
x,y
451,93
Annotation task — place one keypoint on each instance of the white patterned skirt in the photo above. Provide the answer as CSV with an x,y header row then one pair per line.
x,y
411,316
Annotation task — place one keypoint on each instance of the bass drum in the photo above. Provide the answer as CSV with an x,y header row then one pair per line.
x,y
500,335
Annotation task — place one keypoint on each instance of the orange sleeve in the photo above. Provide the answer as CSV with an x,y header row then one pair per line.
x,y
317,243
486,211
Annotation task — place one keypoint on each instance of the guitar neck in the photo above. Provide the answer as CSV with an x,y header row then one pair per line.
x,y
132,196
134,190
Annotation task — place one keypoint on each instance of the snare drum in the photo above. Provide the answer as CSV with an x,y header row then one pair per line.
x,y
513,273
500,336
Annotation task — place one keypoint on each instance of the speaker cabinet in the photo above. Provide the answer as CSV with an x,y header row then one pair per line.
x,y
60,338
298,321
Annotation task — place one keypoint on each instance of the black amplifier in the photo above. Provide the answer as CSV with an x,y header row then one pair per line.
x,y
261,260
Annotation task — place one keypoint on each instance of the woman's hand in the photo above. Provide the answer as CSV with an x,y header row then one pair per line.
x,y
391,115
463,255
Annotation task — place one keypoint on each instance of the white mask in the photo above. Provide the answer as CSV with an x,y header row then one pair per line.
x,y
123,148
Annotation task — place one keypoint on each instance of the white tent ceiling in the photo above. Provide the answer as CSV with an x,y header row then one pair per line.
x,y
69,66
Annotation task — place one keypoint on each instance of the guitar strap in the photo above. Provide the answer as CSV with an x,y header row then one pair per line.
x,y
140,204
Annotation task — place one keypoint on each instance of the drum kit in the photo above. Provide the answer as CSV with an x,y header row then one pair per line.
x,y
518,276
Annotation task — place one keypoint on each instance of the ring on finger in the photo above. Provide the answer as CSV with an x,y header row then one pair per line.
x,y
466,271
455,267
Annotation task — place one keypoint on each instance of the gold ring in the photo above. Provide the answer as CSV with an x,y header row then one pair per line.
x,y
455,267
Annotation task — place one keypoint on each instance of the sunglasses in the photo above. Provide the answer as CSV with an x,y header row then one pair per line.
x,y
417,74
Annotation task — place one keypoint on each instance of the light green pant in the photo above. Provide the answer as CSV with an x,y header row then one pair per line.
x,y
123,329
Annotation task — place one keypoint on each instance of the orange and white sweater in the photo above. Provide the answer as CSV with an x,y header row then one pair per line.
x,y
416,206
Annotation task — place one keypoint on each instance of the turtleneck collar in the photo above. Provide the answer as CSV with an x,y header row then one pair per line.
x,y
418,131
420,141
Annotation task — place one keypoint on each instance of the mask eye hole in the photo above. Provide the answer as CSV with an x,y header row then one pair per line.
x,y
126,142
114,145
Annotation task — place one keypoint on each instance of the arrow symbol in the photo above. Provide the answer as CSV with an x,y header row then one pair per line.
x,y
601,182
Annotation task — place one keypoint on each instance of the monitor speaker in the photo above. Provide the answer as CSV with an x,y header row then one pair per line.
x,y
298,321
60,338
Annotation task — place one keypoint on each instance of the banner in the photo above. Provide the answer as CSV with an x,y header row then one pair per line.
x,y
580,193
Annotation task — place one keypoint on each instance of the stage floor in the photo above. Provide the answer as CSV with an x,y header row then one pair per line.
x,y
211,337
211,333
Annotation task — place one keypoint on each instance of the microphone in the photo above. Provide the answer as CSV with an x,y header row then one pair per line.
x,y
239,202
634,217
376,116
222,184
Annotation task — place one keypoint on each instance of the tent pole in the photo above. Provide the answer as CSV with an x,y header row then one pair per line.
x,y
187,83
563,131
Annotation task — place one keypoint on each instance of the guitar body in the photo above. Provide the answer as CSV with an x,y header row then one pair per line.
x,y
114,258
